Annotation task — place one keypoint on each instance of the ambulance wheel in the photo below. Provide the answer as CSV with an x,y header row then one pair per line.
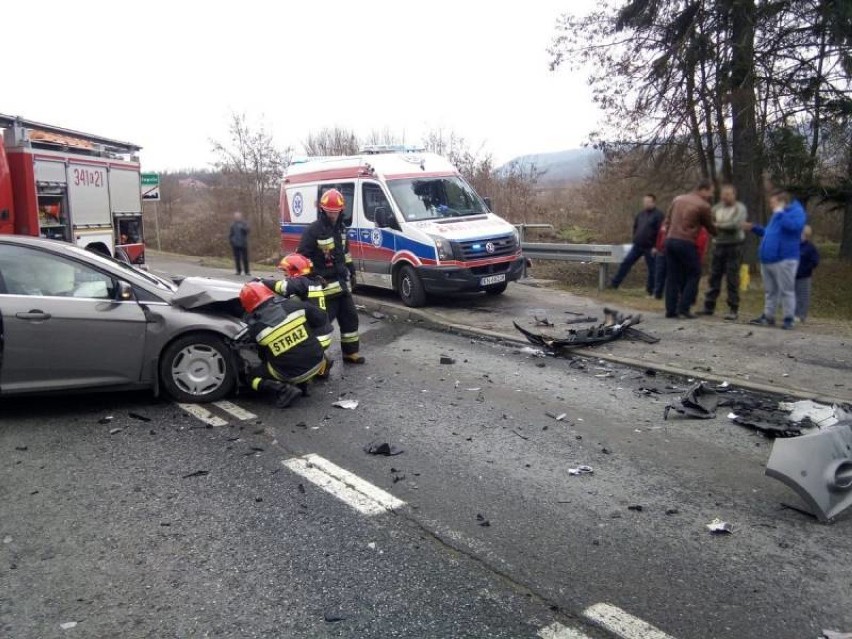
x,y
410,288
197,368
497,289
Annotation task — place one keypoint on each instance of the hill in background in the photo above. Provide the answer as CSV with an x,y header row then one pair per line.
x,y
559,167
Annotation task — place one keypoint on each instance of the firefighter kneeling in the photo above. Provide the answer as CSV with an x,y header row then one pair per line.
x,y
292,337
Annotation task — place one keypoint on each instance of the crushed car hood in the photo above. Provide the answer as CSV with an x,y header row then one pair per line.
x,y
199,293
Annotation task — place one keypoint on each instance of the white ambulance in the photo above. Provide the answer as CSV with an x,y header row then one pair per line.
x,y
414,225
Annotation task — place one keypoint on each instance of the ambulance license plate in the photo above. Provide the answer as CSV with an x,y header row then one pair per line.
x,y
494,279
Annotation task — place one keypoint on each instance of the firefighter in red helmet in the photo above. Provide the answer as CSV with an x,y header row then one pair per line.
x,y
325,244
292,337
299,280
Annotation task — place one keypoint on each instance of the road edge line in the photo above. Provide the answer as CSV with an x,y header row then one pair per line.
x,y
430,319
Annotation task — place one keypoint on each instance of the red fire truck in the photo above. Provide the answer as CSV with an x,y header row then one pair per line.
x,y
71,186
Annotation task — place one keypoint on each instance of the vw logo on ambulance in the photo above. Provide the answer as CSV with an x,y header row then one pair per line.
x,y
489,247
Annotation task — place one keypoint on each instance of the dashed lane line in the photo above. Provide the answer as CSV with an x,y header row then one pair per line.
x,y
622,623
557,631
347,487
236,411
201,413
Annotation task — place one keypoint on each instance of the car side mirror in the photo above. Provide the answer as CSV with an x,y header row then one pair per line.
x,y
487,201
124,292
385,219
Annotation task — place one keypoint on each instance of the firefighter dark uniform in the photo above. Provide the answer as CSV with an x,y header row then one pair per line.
x,y
325,244
292,338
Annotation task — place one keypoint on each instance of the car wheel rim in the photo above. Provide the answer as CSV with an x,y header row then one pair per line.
x,y
199,369
406,287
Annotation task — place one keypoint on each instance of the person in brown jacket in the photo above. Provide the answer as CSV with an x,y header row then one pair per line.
x,y
687,214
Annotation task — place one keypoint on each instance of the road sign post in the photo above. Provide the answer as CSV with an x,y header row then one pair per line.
x,y
150,183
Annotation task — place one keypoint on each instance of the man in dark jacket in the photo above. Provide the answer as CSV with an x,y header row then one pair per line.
x,y
687,214
291,336
646,225
325,244
238,237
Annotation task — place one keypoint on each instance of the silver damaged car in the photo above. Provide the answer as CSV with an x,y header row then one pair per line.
x,y
73,320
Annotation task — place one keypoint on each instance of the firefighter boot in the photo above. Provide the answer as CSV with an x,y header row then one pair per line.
x,y
354,358
287,395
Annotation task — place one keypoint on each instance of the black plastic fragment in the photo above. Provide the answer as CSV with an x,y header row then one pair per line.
x,y
382,448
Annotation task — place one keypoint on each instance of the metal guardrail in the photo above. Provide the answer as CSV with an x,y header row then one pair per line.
x,y
601,254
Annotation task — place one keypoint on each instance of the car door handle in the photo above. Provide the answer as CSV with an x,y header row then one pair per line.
x,y
34,314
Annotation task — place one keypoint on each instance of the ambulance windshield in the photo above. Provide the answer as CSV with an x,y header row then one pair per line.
x,y
435,198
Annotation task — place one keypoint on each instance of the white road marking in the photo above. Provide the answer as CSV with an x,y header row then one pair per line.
x,y
621,623
557,631
347,487
203,414
237,411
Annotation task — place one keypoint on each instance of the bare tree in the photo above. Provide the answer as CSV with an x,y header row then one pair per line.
x,y
332,141
252,164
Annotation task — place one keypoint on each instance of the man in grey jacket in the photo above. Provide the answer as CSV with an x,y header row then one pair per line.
x,y
238,238
728,215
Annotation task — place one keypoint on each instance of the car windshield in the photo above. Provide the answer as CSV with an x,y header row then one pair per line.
x,y
435,198
148,277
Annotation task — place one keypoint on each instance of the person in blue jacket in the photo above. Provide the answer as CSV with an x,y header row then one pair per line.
x,y
779,257
808,261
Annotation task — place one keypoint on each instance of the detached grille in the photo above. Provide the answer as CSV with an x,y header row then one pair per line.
x,y
478,249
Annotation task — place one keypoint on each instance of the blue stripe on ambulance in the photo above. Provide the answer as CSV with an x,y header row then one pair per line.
x,y
422,250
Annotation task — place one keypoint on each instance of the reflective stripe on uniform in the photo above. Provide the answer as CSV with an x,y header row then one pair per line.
x,y
325,243
324,340
348,258
310,374
275,374
332,288
348,338
292,321
280,287
255,383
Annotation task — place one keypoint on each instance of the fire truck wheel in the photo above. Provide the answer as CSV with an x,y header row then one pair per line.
x,y
410,288
197,368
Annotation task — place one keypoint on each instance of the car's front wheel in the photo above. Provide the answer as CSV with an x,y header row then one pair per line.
x,y
197,368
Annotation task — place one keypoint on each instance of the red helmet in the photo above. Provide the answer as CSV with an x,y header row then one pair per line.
x,y
294,265
253,295
332,201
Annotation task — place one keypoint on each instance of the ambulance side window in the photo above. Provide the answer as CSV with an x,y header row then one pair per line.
x,y
347,189
373,198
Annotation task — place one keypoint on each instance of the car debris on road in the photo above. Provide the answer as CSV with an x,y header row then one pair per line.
x,y
818,467
719,527
581,470
784,419
615,326
700,401
383,448
348,404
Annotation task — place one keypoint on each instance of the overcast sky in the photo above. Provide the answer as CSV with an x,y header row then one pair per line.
x,y
166,75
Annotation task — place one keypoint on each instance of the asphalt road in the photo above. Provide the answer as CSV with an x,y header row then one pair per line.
x,y
106,527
